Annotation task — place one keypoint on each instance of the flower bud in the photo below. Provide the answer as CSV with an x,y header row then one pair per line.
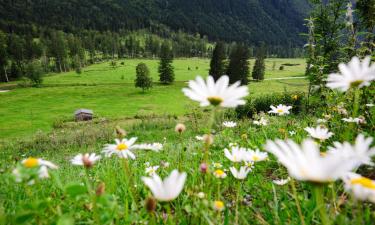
x,y
203,168
180,128
100,189
150,204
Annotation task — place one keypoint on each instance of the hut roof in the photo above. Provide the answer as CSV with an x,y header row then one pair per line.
x,y
87,111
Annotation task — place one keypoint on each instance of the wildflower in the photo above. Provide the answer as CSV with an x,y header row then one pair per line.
x,y
370,105
100,189
244,136
320,133
164,164
208,139
150,204
219,206
362,188
249,164
151,171
256,155
201,195
261,122
237,154
203,167
280,109
220,173
216,94
229,124
122,148
304,162
217,165
156,147
199,138
87,160
169,188
295,97
320,121
241,174
281,181
361,152
355,74
121,133
40,166
292,133
357,120
180,128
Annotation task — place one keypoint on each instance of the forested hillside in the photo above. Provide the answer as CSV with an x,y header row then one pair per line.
x,y
276,22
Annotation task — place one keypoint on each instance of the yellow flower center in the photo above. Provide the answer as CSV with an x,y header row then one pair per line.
x,y
31,162
122,147
219,172
255,158
356,83
215,100
295,97
219,205
365,182
280,110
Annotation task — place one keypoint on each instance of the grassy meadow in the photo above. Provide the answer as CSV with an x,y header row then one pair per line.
x,y
111,94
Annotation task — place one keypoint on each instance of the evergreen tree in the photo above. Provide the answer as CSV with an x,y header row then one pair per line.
x,y
143,79
217,61
3,56
165,69
259,66
238,68
366,12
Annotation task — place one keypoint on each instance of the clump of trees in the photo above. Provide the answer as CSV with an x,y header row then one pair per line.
x,y
166,72
217,66
239,66
259,66
143,79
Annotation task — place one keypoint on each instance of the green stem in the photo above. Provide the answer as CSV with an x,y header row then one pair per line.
x,y
210,125
319,198
129,176
302,219
237,201
357,94
92,195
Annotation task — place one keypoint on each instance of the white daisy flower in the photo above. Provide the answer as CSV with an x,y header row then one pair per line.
x,y
199,138
353,120
151,171
320,133
122,148
217,94
249,164
220,174
87,160
241,174
292,133
362,188
30,163
320,121
156,147
256,156
201,195
305,162
354,74
370,105
361,152
281,182
261,122
167,189
280,109
229,124
237,154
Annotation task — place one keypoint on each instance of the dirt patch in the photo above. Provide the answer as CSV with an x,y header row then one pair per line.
x,y
1,91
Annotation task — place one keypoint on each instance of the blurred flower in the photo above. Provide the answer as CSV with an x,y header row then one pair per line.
x,y
281,181
151,171
164,164
361,152
249,164
220,173
169,188
219,205
150,204
241,174
156,147
122,148
292,133
320,133
354,120
354,74
261,122
304,162
121,133
208,139
203,167
87,160
320,121
362,188
28,166
237,154
216,94
280,109
201,195
294,97
370,105
199,138
217,165
229,124
180,128
100,189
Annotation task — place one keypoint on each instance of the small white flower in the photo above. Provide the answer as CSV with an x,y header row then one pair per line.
x,y
249,164
156,147
229,124
30,163
217,94
237,154
280,109
122,148
320,133
167,189
370,105
353,120
86,160
305,162
220,174
165,164
261,122
151,171
354,74
281,182
217,165
201,195
231,144
241,174
361,152
362,188
292,133
256,155
199,138
320,121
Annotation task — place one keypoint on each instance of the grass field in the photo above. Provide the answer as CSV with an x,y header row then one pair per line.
x,y
111,94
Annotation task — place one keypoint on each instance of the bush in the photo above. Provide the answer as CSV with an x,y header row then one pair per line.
x,y
143,79
34,72
281,68
263,103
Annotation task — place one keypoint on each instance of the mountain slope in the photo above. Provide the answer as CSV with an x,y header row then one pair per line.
x,y
276,22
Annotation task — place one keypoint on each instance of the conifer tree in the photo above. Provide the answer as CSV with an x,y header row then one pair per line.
x,y
217,61
259,66
166,72
143,79
238,68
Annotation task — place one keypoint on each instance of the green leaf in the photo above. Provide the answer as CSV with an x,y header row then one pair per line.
x,y
74,190
24,217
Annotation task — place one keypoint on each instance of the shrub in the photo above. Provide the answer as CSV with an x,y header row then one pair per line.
x,y
263,103
34,72
281,68
143,79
